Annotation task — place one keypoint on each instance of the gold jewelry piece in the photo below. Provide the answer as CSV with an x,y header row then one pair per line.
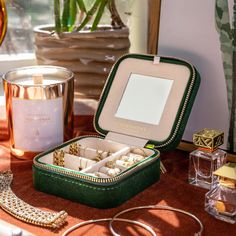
x,y
136,157
124,158
23,211
128,164
98,157
112,171
59,158
74,149
110,164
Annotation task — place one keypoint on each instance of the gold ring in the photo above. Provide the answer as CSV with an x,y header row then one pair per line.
x,y
74,149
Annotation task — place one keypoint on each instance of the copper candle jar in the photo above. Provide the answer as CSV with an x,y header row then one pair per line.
x,y
39,102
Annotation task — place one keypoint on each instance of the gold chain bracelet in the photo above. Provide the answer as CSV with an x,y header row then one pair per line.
x,y
23,211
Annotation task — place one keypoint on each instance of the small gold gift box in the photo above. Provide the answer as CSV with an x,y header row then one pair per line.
x,y
227,175
208,138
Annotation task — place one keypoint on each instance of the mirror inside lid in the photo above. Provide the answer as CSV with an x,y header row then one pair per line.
x,y
149,98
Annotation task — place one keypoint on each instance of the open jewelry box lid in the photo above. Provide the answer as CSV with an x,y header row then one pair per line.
x,y
147,101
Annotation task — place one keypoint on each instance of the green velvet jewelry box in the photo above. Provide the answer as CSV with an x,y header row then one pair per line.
x,y
143,110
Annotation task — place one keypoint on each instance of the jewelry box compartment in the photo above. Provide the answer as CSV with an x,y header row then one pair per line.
x,y
97,158
94,171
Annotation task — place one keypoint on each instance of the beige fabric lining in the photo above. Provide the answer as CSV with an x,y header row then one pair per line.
x,y
107,120
126,139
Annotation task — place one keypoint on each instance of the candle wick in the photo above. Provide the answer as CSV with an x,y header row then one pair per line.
x,y
38,78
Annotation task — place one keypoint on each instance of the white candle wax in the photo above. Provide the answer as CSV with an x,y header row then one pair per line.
x,y
30,82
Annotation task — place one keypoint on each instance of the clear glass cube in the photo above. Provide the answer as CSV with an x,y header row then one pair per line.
x,y
202,164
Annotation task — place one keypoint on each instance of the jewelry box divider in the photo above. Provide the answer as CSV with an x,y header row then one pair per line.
x,y
100,164
112,165
89,149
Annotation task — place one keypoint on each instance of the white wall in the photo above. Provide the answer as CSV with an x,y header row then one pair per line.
x,y
138,25
187,30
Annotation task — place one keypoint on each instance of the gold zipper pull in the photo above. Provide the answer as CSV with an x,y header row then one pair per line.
x,y
150,146
162,167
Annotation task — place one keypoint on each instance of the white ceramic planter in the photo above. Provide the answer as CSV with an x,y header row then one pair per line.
x,y
90,55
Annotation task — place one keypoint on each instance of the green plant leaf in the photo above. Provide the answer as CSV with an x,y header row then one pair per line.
x,y
232,93
57,17
89,15
234,24
81,5
222,17
219,10
115,17
65,14
99,14
228,45
72,14
223,27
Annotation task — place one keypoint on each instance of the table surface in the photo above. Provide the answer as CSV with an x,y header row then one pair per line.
x,y
172,190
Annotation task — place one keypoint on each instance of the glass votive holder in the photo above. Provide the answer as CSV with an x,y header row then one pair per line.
x,y
39,104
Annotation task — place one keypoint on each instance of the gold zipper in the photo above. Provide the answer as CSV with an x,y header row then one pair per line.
x,y
87,177
183,109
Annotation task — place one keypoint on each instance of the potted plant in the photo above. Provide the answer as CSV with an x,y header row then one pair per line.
x,y
227,36
78,42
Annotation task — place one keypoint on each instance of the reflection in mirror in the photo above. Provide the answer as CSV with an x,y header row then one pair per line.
x,y
141,98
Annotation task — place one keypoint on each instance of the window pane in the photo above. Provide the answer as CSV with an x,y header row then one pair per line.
x,y
23,15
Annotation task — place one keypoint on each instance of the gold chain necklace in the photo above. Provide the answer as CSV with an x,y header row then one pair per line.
x,y
23,211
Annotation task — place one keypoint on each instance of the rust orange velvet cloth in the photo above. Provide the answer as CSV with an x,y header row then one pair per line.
x,y
172,190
